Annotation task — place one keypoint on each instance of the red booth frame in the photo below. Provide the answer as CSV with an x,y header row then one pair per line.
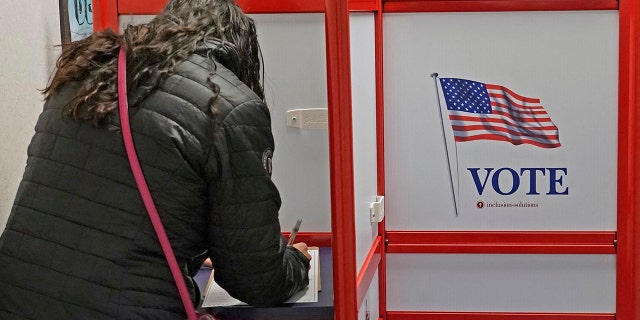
x,y
350,288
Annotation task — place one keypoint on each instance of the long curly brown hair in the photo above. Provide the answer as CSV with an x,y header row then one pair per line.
x,y
154,50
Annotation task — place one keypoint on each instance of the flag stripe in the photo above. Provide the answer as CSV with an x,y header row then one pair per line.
x,y
503,124
506,106
521,139
517,117
500,115
479,111
516,133
517,104
511,93
550,131
507,139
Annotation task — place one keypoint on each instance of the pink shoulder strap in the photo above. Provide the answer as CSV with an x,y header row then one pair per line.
x,y
144,189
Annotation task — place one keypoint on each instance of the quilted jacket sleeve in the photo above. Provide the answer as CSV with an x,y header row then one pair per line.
x,y
249,254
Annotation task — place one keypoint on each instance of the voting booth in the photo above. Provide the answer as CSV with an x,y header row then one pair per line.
x,y
454,159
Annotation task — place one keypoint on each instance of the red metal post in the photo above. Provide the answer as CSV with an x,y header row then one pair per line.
x,y
248,6
317,239
379,56
628,259
281,6
490,242
416,315
341,159
151,7
105,15
369,269
363,5
496,5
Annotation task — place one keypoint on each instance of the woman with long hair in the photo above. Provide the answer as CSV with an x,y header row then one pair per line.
x,y
79,243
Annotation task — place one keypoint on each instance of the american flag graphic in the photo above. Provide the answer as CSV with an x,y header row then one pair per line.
x,y
480,111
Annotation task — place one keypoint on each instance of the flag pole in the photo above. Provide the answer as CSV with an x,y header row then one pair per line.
x,y
444,139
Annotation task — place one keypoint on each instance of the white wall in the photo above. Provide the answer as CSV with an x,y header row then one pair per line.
x,y
29,32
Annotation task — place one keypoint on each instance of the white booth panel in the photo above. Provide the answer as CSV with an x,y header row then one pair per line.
x,y
294,50
568,60
370,308
294,53
125,20
501,283
363,88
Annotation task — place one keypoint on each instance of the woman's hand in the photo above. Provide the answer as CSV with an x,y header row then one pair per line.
x,y
302,247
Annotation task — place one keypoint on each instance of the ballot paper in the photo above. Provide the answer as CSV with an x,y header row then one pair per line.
x,y
215,296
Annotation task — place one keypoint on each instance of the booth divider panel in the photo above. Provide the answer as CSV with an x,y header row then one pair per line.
x,y
294,77
364,129
293,46
568,60
501,283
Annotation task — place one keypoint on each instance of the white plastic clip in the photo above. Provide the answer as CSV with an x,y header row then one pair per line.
x,y
315,119
377,210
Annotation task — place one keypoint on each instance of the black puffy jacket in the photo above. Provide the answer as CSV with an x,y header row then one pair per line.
x,y
79,243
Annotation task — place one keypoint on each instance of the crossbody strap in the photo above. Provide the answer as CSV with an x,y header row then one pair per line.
x,y
144,189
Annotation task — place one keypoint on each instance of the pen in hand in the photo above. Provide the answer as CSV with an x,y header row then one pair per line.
x,y
294,231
